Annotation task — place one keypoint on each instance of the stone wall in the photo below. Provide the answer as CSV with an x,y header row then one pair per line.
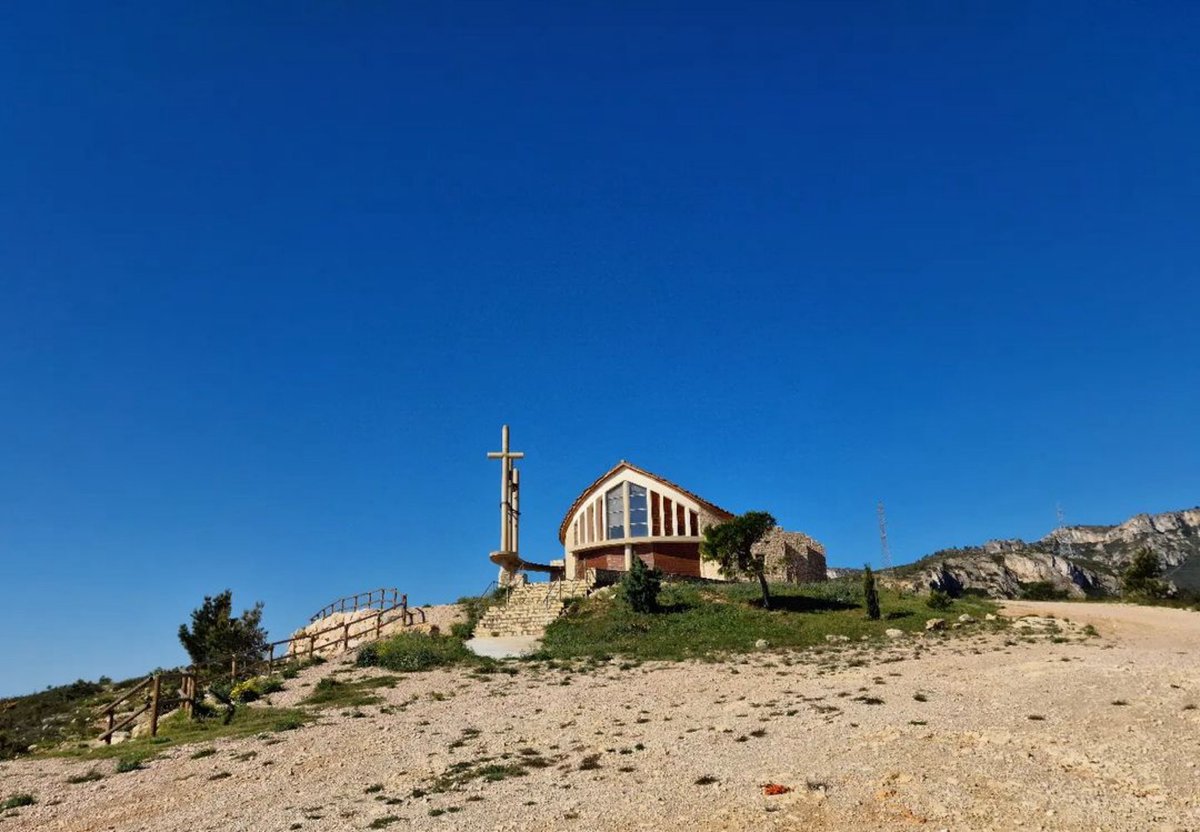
x,y
792,557
422,620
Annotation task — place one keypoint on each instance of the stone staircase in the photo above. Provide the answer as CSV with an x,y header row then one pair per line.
x,y
530,608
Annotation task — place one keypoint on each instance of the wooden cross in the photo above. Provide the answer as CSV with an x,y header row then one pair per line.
x,y
509,515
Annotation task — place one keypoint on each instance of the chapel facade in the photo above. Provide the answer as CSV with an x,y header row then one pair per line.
x,y
629,512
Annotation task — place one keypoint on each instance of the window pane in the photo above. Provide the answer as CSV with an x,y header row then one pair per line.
x,y
615,500
637,512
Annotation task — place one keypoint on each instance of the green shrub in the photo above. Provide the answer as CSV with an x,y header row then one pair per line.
x,y
17,800
938,600
640,587
1142,576
411,652
125,764
255,688
1042,591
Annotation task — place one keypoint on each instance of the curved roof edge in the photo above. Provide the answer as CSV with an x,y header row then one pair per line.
x,y
587,492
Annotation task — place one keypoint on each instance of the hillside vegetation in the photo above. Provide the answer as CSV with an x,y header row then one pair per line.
x,y
710,620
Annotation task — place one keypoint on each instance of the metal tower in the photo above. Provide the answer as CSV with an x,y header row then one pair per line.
x,y
1064,542
885,551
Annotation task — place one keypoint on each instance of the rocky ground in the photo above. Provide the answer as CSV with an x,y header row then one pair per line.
x,y
1037,726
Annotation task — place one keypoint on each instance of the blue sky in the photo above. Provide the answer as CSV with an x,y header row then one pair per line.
x,y
272,276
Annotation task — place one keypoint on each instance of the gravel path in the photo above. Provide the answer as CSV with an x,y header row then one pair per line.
x,y
1017,729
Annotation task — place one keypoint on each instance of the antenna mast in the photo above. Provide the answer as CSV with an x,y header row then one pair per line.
x,y
885,550
1064,542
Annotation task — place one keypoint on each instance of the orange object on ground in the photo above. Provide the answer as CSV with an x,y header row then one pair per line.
x,y
774,788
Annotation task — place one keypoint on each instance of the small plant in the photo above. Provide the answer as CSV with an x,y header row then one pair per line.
x,y
126,764
203,752
939,600
870,593
640,587
16,801
387,820
255,688
706,780
590,762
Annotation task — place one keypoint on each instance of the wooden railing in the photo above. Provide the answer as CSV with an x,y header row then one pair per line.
x,y
383,598
153,703
374,625
152,686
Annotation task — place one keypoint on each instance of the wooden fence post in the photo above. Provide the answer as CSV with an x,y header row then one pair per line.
x,y
346,636
108,734
404,609
155,690
233,669
379,625
312,646
187,691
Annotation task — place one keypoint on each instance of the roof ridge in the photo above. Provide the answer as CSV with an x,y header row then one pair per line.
x,y
562,529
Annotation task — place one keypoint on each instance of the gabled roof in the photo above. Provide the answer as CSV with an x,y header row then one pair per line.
x,y
623,465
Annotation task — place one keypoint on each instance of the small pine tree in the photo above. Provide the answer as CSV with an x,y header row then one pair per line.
x,y
640,586
215,635
1142,576
871,593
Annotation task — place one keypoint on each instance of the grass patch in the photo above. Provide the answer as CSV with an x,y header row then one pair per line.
x,y
706,620
414,652
177,729
331,693
706,780
380,823
131,763
16,801
488,769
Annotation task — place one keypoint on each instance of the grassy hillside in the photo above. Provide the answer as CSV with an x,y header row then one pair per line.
x,y
54,715
707,620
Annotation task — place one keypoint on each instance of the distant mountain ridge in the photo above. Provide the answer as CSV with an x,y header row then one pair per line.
x,y
1081,560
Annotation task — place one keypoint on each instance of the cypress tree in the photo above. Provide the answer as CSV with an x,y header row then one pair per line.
x,y
871,593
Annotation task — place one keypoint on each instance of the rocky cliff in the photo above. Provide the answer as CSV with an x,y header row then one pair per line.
x,y
1079,560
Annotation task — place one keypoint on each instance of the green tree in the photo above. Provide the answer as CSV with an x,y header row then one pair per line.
x,y
871,593
216,636
731,544
1142,576
640,586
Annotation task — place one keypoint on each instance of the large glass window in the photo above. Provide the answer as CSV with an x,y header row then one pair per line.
x,y
615,512
638,512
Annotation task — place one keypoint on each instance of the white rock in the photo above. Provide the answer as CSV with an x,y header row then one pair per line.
x,y
891,632
762,644
966,618
935,624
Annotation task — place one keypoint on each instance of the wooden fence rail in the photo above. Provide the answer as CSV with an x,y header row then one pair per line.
x,y
153,703
151,686
383,598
